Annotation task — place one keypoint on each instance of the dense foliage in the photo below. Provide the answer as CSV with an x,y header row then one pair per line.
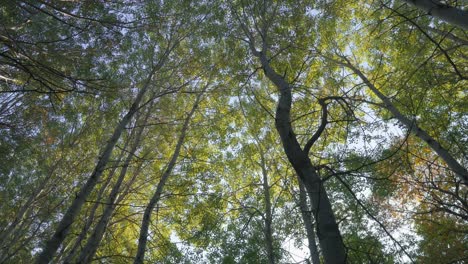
x,y
233,131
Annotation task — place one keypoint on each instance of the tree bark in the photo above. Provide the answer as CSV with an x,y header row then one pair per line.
x,y
308,223
327,228
143,238
93,242
411,125
90,218
268,231
447,13
65,224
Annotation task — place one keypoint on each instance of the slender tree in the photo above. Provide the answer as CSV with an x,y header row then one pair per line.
x,y
268,230
411,125
89,250
143,238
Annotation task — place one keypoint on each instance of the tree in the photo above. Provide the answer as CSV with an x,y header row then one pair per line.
x,y
162,182
329,235
412,125
69,217
93,242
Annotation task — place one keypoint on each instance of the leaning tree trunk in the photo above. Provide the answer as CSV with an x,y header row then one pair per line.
x,y
90,217
330,239
93,242
64,226
308,223
445,12
142,240
451,162
88,222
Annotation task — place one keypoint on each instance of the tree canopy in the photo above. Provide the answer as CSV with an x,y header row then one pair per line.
x,y
233,131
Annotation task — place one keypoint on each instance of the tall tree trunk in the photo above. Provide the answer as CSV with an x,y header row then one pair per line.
x,y
268,231
308,223
88,222
64,226
445,12
328,233
142,240
412,126
93,242
90,218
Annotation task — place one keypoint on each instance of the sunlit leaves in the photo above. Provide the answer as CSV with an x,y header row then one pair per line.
x,y
69,71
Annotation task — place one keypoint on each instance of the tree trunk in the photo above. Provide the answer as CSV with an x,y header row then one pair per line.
x,y
142,240
93,242
327,229
447,13
65,224
308,223
451,162
268,231
90,218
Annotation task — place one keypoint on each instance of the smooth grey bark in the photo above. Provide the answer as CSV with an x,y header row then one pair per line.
x,y
64,226
306,214
447,13
268,231
93,242
143,238
412,126
330,239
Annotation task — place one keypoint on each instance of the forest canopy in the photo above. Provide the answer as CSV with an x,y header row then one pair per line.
x,y
234,131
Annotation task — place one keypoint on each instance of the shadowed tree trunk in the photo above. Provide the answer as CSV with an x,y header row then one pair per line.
x,y
327,228
90,218
328,233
